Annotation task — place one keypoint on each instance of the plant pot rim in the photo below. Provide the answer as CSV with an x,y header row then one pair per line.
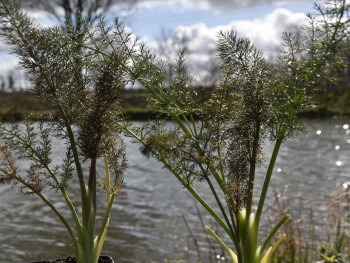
x,y
70,259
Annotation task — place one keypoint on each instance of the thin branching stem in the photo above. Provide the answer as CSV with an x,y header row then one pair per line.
x,y
252,167
222,209
183,182
54,209
232,226
267,179
52,175
273,233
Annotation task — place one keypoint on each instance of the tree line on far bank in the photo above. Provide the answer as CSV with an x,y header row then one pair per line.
x,y
16,100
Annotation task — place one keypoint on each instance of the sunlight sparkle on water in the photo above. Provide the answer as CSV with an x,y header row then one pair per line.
x,y
346,185
337,147
318,132
279,170
339,163
219,257
346,126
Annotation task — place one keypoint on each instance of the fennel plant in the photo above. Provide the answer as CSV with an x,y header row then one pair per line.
x,y
218,138
83,88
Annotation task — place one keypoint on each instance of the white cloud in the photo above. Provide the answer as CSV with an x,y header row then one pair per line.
x,y
222,5
3,47
149,4
203,4
8,63
201,40
236,4
42,18
265,33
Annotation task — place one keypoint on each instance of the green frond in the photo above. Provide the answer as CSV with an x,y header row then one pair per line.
x,y
8,167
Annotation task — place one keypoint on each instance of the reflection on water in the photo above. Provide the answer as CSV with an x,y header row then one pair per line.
x,y
147,224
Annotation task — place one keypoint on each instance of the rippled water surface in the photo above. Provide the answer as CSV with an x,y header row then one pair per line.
x,y
148,223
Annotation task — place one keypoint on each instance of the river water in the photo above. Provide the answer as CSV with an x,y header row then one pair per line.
x,y
148,223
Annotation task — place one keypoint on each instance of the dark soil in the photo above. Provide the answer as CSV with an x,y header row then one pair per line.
x,y
102,259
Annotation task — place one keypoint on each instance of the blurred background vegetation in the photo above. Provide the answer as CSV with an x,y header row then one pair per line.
x,y
18,102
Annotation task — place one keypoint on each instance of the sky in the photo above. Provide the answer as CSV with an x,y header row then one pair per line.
x,y
198,22
149,19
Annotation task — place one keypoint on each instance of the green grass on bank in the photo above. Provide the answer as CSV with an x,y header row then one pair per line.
x,y
16,106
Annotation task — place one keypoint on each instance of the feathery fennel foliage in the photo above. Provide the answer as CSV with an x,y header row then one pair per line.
x,y
219,141
84,89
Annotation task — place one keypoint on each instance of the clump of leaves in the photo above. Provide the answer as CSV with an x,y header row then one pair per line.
x,y
220,141
84,88
337,251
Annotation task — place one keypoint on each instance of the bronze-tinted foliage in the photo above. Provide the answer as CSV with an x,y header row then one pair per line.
x,y
117,161
102,107
83,85
8,168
